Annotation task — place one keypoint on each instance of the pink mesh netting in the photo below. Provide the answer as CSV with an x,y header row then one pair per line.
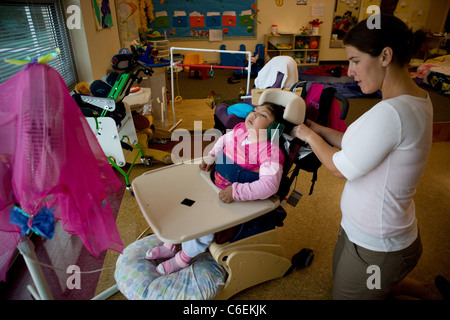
x,y
50,156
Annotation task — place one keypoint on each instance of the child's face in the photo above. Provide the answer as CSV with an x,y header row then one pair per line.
x,y
261,118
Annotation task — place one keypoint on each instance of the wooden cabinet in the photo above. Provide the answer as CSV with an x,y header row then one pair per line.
x,y
303,48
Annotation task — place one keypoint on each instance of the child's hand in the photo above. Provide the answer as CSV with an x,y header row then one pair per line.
x,y
226,195
204,166
207,162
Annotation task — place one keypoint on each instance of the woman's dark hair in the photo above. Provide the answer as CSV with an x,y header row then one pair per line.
x,y
392,32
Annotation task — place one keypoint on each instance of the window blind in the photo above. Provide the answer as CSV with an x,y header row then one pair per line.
x,y
31,29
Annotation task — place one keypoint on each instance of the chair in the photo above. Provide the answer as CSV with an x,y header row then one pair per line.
x,y
192,58
332,105
177,212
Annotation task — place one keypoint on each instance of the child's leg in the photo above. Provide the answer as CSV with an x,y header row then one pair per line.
x,y
166,250
190,249
178,262
194,247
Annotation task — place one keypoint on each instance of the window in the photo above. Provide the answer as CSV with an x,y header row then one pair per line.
x,y
31,29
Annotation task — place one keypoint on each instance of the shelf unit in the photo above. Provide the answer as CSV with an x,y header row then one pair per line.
x,y
163,48
293,45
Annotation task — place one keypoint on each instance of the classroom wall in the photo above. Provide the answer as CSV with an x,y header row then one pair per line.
x,y
289,18
438,11
95,48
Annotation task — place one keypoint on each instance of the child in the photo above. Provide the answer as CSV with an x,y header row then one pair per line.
x,y
248,167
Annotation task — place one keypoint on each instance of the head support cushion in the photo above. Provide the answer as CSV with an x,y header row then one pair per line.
x,y
295,107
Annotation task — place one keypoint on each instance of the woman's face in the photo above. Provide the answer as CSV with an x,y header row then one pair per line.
x,y
261,118
366,70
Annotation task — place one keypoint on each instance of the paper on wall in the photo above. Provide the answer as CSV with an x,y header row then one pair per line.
x,y
317,10
215,35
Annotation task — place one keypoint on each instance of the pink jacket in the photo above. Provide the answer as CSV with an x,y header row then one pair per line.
x,y
263,157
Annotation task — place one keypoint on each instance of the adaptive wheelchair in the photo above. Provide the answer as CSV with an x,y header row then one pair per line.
x,y
180,203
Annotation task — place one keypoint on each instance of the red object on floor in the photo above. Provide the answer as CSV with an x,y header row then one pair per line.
x,y
324,70
202,69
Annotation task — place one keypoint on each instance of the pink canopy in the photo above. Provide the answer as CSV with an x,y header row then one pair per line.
x,y
50,157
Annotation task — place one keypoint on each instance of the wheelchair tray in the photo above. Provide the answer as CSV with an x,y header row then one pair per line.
x,y
180,203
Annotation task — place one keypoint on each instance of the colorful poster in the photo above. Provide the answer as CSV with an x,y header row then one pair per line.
x,y
102,12
194,20
128,20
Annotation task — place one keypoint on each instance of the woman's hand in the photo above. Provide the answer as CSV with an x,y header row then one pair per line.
x,y
303,132
226,195
311,133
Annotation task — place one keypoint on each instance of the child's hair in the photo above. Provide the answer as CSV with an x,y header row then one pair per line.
x,y
392,32
276,110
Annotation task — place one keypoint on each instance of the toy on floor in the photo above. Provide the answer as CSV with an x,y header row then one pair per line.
x,y
213,99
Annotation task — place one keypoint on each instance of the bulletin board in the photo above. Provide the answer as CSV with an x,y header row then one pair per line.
x,y
199,19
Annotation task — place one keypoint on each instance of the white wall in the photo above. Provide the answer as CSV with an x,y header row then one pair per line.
x,y
94,48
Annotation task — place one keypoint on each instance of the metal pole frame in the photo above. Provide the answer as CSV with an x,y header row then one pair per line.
x,y
248,68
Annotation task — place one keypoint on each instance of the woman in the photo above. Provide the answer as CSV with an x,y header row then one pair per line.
x,y
382,155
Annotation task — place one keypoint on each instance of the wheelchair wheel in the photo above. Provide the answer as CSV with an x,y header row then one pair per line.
x,y
148,162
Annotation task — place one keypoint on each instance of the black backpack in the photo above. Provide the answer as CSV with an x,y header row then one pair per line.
x,y
309,163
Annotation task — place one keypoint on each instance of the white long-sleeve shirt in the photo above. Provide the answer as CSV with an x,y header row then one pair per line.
x,y
383,157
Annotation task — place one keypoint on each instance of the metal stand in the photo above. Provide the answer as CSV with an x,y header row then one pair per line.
x,y
172,65
41,290
107,293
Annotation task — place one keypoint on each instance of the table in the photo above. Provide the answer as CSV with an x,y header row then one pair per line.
x,y
203,69
180,203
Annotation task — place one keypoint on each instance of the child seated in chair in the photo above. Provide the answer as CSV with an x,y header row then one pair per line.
x,y
248,166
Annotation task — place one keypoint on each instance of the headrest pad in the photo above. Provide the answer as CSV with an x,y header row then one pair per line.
x,y
295,107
